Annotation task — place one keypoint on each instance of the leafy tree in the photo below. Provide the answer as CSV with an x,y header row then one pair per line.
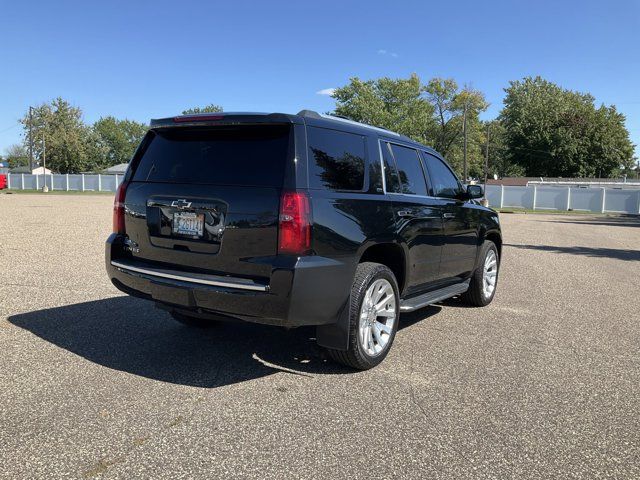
x,y
551,131
58,126
499,159
17,156
116,140
211,108
450,105
98,150
431,113
395,104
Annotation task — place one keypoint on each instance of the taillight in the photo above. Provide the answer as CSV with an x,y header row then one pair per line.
x,y
118,209
294,233
197,118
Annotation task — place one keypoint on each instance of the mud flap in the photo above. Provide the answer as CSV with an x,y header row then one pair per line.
x,y
336,335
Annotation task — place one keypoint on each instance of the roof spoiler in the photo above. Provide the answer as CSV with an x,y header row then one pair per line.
x,y
223,118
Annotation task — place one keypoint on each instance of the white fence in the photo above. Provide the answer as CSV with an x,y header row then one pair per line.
x,y
597,200
68,182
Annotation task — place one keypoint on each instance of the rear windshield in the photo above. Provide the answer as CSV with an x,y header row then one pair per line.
x,y
239,155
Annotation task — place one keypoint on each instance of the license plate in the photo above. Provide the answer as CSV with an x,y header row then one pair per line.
x,y
188,223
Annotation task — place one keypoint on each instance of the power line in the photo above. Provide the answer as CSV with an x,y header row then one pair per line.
x,y
9,128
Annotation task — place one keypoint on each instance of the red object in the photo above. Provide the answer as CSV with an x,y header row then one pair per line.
x,y
118,209
3,181
197,118
295,224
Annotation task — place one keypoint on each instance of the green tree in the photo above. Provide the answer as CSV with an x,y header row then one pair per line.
x,y
118,138
551,131
431,113
450,104
58,126
16,156
500,163
395,104
211,108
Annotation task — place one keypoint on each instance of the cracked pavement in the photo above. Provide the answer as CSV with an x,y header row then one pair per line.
x,y
542,383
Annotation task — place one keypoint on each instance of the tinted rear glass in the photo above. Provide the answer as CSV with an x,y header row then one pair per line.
x,y
409,170
244,155
336,159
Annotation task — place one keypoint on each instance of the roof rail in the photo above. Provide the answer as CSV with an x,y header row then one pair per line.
x,y
314,114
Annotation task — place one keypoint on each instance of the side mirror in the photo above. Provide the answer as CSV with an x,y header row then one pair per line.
x,y
475,191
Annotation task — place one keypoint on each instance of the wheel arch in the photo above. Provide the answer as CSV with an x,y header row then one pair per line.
x,y
496,238
493,235
390,254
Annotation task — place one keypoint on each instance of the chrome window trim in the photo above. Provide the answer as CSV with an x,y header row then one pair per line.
x,y
422,167
186,278
418,151
382,169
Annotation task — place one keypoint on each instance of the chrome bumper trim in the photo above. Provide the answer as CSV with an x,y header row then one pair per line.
x,y
210,280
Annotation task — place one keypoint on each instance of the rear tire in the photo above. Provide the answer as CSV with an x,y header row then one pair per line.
x,y
373,317
194,322
481,290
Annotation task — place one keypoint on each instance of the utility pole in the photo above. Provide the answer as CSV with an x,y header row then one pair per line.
x,y
464,135
484,200
44,164
486,162
30,140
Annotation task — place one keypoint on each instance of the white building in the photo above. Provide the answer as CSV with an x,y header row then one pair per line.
x,y
119,169
35,171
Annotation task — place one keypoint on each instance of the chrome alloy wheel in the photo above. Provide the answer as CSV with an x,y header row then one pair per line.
x,y
490,274
377,316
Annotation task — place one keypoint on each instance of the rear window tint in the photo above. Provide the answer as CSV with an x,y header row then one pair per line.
x,y
244,155
409,170
336,159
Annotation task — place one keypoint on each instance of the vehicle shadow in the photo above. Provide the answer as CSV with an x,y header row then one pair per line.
x,y
609,221
131,335
620,254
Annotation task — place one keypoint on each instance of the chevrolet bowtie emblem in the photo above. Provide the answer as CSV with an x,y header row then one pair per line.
x,y
182,203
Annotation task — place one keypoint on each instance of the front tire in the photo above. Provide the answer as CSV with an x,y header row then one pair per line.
x,y
373,317
485,278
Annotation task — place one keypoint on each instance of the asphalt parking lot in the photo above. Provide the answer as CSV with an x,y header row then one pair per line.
x,y
542,383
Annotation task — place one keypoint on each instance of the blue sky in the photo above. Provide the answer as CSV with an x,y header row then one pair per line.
x,y
147,59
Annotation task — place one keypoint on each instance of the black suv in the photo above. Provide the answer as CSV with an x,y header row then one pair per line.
x,y
295,220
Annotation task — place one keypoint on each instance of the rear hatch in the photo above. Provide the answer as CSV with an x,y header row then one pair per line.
x,y
206,198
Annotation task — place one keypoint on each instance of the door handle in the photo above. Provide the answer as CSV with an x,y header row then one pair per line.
x,y
406,214
448,215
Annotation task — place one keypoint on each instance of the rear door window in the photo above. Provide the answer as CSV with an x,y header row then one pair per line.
x,y
443,181
238,155
390,173
336,159
410,172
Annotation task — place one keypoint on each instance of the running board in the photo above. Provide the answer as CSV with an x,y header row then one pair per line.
x,y
414,303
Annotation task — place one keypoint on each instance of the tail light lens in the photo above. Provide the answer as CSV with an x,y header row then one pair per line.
x,y
197,118
118,209
294,235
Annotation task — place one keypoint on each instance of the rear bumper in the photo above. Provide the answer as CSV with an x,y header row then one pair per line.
x,y
308,290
